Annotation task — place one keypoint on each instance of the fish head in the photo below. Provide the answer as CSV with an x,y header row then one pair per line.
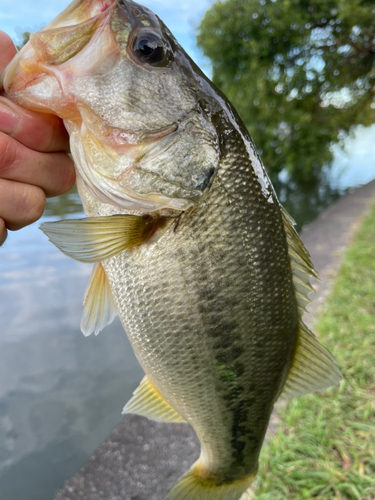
x,y
131,100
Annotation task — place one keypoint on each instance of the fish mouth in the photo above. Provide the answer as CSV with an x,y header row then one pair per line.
x,y
48,58
90,39
50,52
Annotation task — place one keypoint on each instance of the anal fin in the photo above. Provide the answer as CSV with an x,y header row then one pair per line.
x,y
99,309
314,368
148,402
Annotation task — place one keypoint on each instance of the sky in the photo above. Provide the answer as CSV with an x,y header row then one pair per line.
x,y
17,16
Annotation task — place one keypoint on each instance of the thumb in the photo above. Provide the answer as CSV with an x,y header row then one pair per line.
x,y
7,50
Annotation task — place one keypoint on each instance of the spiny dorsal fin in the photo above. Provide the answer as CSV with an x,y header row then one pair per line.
x,y
99,309
148,402
98,238
300,261
314,368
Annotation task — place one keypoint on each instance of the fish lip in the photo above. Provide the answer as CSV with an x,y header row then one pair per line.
x,y
64,20
6,76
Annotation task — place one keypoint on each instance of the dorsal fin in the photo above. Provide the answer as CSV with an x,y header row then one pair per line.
x,y
314,368
300,261
148,402
99,309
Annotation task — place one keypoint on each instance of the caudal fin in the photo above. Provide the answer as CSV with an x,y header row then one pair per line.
x,y
192,486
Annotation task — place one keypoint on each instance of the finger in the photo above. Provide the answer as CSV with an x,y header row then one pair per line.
x,y
53,172
20,204
38,131
8,50
3,232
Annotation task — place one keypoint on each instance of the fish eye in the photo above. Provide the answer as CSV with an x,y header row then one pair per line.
x,y
149,48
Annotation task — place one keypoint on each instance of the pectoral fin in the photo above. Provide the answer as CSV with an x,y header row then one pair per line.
x,y
148,402
314,368
98,238
99,309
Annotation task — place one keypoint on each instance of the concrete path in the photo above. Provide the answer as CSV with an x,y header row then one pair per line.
x,y
142,459
329,235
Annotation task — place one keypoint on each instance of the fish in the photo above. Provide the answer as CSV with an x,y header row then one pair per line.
x,y
189,244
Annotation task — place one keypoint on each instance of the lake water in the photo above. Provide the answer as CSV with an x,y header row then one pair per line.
x,y
61,394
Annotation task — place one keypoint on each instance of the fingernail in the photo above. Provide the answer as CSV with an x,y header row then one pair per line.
x,y
8,118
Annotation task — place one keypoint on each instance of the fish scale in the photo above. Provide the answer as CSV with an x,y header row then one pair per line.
x,y
198,302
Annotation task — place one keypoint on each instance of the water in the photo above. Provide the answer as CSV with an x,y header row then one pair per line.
x,y
353,166
61,394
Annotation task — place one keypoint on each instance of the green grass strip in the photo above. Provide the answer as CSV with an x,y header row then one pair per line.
x,y
325,445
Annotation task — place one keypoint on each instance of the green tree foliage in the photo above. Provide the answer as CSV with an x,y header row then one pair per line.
x,y
301,73
25,35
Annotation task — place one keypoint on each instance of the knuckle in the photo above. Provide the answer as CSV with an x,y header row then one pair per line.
x,y
54,133
32,203
48,136
70,174
42,136
65,175
8,154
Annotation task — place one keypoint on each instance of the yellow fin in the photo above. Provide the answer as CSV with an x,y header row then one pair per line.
x,y
98,238
314,368
148,402
99,309
300,261
194,486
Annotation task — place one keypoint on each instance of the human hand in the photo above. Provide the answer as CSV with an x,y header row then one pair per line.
x,y
33,159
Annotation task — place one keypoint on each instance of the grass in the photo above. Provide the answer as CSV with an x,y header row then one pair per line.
x,y
325,444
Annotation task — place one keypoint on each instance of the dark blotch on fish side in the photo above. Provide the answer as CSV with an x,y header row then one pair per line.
x,y
239,434
201,181
224,340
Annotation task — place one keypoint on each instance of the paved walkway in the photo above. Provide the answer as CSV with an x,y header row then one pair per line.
x,y
142,459
329,235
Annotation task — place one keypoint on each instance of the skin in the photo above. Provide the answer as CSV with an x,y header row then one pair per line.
x,y
34,164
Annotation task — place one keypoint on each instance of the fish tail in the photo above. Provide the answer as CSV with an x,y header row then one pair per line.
x,y
199,484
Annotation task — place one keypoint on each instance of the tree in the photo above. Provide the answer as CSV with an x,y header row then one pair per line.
x,y
25,35
301,73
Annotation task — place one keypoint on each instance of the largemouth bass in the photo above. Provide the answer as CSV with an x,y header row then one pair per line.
x,y
190,245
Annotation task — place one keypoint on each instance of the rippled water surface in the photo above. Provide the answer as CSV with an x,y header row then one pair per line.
x,y
61,393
